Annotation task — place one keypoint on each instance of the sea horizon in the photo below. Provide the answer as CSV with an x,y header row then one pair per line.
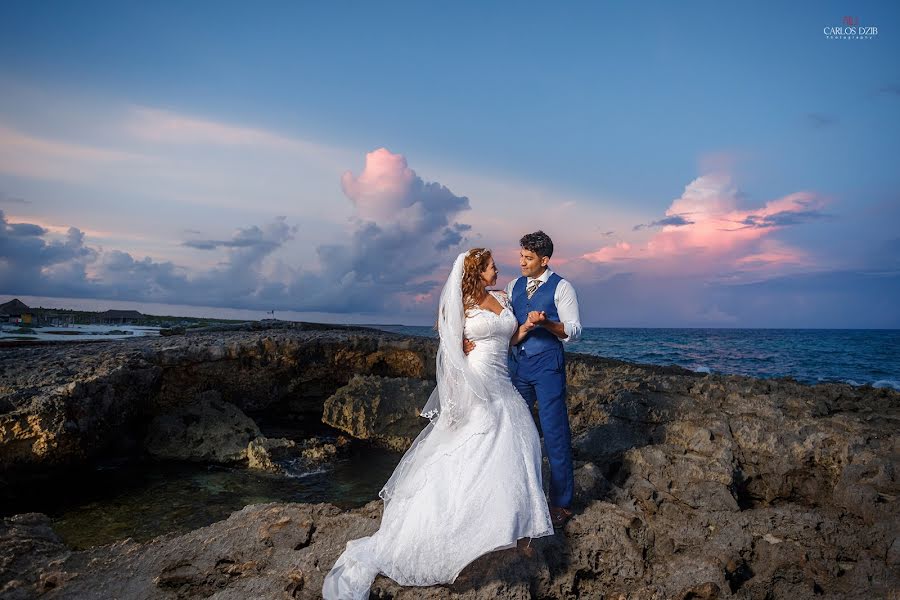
x,y
358,319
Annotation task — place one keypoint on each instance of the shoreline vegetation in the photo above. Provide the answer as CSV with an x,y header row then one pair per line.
x,y
688,484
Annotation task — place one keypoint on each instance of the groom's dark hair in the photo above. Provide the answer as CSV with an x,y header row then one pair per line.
x,y
537,242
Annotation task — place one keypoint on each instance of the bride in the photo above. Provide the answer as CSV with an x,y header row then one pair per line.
x,y
471,481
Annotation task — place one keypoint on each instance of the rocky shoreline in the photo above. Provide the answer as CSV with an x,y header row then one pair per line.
x,y
688,485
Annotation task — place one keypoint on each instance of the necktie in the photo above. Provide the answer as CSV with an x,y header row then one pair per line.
x,y
533,285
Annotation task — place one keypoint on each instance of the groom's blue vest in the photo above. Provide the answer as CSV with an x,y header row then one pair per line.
x,y
539,340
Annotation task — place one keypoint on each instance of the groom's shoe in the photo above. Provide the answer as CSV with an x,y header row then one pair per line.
x,y
560,516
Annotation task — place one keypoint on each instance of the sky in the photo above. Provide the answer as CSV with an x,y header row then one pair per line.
x,y
703,164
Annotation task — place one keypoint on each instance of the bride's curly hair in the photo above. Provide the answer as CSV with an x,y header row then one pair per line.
x,y
475,263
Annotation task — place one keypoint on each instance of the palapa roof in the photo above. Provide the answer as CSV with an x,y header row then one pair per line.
x,y
14,307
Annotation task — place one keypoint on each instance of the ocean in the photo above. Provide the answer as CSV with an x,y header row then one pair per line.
x,y
854,356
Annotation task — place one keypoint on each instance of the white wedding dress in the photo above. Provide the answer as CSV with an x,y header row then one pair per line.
x,y
470,483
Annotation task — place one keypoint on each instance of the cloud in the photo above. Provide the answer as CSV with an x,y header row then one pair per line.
x,y
704,232
404,231
269,238
403,235
618,251
674,220
24,229
387,189
32,264
29,263
795,215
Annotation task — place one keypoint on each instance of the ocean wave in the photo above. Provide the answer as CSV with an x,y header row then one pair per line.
x,y
701,369
887,383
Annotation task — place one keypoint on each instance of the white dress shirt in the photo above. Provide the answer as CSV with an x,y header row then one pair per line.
x,y
566,304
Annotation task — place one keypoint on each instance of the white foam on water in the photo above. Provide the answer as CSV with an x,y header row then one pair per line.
x,y
77,332
887,383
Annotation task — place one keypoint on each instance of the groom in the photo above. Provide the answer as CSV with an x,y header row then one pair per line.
x,y
537,365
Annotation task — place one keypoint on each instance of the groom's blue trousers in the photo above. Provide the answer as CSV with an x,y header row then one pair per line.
x,y
542,378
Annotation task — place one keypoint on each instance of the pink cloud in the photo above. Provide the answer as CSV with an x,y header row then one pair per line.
x,y
621,250
384,188
704,231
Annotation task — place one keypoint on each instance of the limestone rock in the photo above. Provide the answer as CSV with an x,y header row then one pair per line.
x,y
262,453
382,410
268,454
687,485
68,404
207,430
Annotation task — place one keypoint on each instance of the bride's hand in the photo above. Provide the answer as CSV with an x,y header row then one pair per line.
x,y
468,346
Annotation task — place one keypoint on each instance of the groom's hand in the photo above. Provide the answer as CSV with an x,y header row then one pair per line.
x,y
468,346
537,317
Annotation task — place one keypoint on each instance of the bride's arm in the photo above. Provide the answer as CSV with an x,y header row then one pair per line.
x,y
521,333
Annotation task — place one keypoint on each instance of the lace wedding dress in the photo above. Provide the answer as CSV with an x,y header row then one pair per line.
x,y
471,482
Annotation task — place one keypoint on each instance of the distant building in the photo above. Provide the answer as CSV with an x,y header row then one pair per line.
x,y
16,311
121,317
55,319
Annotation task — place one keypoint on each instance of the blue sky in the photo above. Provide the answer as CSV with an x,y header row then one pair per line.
x,y
697,165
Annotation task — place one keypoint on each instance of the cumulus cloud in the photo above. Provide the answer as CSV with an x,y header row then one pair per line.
x,y
30,263
270,237
387,190
33,263
404,231
705,232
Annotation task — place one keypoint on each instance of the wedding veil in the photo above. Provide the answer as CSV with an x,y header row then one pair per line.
x,y
457,387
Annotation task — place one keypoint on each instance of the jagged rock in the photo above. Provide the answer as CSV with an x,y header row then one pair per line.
x,y
590,484
271,454
382,410
315,451
262,453
68,404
